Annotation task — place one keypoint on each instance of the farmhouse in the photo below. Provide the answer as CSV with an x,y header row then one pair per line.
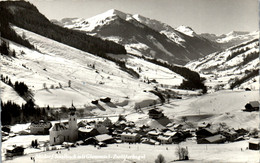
x,y
41,127
65,131
86,132
213,139
130,137
105,138
252,106
205,132
231,135
165,139
254,144
14,151
155,113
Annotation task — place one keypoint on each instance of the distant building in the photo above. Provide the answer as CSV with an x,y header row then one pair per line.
x,y
155,113
130,137
254,145
203,125
105,138
65,131
205,132
86,132
252,106
40,128
14,151
165,139
231,135
212,139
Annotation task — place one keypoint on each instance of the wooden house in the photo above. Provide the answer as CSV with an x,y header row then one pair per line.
x,y
254,144
86,132
205,132
216,139
231,135
40,128
155,113
105,138
130,137
14,151
164,139
252,106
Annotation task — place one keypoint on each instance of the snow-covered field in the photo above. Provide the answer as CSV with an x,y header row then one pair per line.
x,y
143,153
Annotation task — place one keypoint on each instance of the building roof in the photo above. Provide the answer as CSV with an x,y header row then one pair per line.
x,y
169,133
103,137
160,137
215,138
154,132
155,110
254,104
129,134
209,130
60,126
86,129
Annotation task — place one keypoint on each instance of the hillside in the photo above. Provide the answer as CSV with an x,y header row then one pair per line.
x,y
91,77
232,38
236,67
143,36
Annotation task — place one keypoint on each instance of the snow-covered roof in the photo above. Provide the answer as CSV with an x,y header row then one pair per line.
x,y
129,134
254,104
103,137
215,138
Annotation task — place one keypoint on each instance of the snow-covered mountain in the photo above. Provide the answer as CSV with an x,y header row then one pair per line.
x,y
237,66
232,38
144,36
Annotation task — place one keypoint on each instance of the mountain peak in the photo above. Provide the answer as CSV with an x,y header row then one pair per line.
x,y
186,30
113,12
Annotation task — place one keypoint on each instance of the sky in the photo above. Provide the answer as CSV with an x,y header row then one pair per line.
x,y
203,16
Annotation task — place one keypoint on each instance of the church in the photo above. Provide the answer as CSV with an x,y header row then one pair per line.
x,y
65,131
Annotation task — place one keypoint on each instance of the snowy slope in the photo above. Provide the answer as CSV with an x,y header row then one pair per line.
x,y
56,63
144,36
232,38
222,68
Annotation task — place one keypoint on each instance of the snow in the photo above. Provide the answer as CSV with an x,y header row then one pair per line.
x,y
144,153
186,30
219,71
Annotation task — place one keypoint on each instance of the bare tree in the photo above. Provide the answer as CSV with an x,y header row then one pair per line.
x,y
182,153
69,83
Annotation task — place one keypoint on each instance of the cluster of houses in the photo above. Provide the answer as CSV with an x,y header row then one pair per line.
x,y
104,132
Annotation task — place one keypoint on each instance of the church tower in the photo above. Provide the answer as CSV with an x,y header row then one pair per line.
x,y
73,127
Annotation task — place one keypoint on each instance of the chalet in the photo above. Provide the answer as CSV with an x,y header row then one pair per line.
x,y
40,128
130,137
149,141
105,138
216,139
231,135
65,131
205,132
254,144
155,113
153,134
14,151
203,125
175,136
86,132
241,132
164,139
252,106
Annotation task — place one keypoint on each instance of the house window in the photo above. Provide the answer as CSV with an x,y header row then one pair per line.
x,y
74,119
54,139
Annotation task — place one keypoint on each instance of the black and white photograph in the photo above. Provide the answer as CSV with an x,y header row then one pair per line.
x,y
129,81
